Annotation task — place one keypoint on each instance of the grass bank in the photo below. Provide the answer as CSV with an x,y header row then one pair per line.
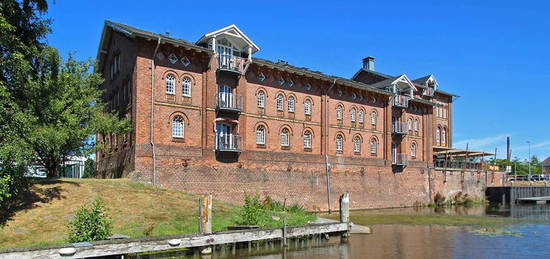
x,y
136,210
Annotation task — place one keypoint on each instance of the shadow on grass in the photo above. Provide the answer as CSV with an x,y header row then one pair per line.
x,y
32,195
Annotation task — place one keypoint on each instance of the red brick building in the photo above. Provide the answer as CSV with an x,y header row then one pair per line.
x,y
209,116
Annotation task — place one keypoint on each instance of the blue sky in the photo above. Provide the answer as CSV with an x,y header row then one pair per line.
x,y
494,54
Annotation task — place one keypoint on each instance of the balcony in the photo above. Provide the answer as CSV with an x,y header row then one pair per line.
x,y
231,63
399,128
228,143
399,159
229,102
429,91
400,101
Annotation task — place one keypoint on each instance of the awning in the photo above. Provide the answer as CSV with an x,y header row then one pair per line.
x,y
442,151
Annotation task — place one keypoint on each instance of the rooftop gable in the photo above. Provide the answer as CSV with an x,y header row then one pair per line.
x,y
231,31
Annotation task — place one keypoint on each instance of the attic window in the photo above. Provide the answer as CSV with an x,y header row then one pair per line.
x,y
261,76
361,97
353,96
373,100
173,59
290,83
281,81
340,93
185,61
307,86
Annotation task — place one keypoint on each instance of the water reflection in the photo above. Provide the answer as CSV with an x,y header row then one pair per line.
x,y
408,241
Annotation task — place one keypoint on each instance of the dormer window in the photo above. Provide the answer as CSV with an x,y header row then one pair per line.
x,y
261,77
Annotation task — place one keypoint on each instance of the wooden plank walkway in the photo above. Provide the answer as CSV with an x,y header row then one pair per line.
x,y
534,199
139,245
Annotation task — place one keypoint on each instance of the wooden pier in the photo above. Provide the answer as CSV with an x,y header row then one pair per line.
x,y
203,241
543,199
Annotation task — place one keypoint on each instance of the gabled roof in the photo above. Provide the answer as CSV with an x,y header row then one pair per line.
x,y
394,80
233,31
110,26
546,161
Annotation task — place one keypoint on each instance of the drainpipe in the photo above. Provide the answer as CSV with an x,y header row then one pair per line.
x,y
327,167
151,126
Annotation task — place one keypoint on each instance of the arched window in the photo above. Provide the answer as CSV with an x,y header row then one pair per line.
x,y
438,135
410,124
170,84
353,114
261,99
339,112
307,139
260,135
357,144
291,104
178,127
361,116
413,149
444,137
339,143
416,125
186,87
280,104
307,107
373,117
285,138
373,146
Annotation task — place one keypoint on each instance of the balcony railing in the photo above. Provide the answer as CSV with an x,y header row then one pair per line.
x,y
399,127
428,91
399,159
463,165
228,143
229,102
400,101
231,63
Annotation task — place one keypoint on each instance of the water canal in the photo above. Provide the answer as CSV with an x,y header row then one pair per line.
x,y
459,232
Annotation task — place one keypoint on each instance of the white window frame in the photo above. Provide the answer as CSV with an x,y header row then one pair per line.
x,y
413,149
307,139
357,144
353,115
261,99
361,116
186,86
260,135
307,107
280,102
291,103
339,112
373,146
438,135
373,117
178,127
339,143
285,138
444,136
410,124
416,122
170,84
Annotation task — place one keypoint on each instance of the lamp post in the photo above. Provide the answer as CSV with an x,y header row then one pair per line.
x,y
529,142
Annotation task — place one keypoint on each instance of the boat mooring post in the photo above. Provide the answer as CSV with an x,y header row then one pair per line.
x,y
205,219
344,212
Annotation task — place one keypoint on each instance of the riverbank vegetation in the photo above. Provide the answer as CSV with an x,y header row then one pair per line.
x,y
134,210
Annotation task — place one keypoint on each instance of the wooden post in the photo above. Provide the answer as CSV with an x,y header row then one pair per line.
x,y
285,242
205,219
344,211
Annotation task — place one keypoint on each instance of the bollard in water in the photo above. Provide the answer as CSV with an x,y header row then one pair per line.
x,y
205,219
344,212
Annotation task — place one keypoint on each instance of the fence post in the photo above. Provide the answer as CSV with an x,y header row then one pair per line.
x,y
344,211
205,219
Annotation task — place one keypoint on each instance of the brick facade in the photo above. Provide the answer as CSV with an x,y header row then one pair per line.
x,y
206,139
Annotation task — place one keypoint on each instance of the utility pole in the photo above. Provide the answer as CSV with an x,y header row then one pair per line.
x,y
529,142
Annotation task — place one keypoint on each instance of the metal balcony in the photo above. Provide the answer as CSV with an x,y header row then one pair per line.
x,y
399,128
228,143
229,102
399,159
400,101
231,63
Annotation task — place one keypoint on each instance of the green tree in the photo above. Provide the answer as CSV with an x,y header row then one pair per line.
x,y
21,40
89,168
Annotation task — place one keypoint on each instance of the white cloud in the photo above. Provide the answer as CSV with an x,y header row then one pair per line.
x,y
482,143
534,146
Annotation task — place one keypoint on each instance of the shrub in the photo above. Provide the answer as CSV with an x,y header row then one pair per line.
x,y
91,223
439,199
89,169
270,213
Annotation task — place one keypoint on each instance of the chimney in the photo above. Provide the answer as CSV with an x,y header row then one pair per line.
x,y
368,63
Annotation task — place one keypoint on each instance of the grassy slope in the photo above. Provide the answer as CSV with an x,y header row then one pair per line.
x,y
134,207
